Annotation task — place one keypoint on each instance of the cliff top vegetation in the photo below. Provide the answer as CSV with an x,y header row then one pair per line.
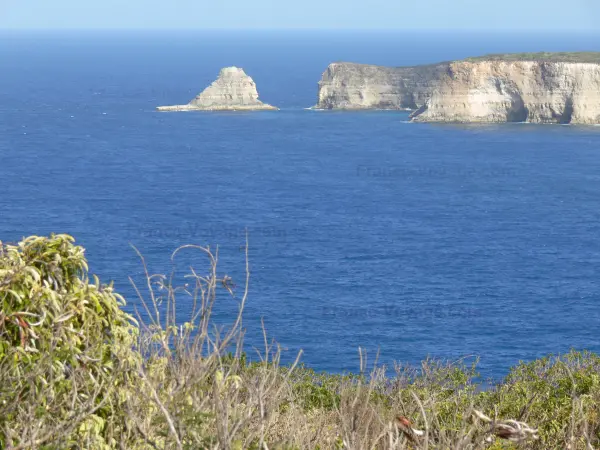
x,y
571,57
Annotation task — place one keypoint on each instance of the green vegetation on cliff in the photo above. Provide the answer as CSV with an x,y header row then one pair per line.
x,y
568,57
79,373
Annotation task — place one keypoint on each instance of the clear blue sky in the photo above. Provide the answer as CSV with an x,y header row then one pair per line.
x,y
548,15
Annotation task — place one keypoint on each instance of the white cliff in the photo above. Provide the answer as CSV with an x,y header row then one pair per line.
x,y
536,88
516,91
232,91
361,86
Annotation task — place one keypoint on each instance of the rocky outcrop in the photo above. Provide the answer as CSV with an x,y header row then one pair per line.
x,y
537,88
361,86
232,91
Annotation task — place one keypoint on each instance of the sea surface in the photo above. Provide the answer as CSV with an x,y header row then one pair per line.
x,y
407,240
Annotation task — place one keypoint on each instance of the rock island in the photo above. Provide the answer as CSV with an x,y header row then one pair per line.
x,y
529,87
232,91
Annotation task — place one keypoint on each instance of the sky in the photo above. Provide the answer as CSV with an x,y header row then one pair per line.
x,y
504,15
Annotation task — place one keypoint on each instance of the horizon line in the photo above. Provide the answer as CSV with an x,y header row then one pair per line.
x,y
306,29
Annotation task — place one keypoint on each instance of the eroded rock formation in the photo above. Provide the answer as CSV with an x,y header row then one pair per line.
x,y
538,88
232,91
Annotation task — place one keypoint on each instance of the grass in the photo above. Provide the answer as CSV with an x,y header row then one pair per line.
x,y
571,57
76,376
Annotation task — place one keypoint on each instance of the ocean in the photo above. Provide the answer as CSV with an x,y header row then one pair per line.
x,y
365,230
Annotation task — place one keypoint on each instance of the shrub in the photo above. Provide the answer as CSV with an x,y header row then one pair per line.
x,y
66,345
560,394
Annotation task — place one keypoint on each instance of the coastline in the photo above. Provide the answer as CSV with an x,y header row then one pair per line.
x,y
187,108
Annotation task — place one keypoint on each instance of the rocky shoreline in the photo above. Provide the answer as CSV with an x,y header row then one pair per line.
x,y
183,108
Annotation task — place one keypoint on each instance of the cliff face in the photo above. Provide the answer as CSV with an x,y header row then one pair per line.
x,y
555,88
516,91
232,91
360,86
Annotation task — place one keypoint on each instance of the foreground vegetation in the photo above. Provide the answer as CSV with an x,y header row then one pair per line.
x,y
79,373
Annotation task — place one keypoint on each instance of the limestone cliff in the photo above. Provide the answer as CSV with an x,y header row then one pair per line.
x,y
537,88
232,91
361,86
516,91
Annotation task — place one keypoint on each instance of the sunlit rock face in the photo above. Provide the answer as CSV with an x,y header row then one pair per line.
x,y
361,86
232,91
548,88
516,91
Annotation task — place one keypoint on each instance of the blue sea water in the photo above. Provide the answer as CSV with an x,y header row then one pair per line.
x,y
410,240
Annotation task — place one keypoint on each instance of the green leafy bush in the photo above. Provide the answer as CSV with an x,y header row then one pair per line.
x,y
560,394
65,343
